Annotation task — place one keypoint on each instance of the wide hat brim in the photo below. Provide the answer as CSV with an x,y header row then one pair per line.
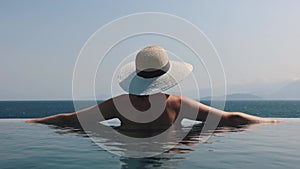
x,y
134,84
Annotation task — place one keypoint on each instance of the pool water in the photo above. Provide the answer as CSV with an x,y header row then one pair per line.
x,y
27,145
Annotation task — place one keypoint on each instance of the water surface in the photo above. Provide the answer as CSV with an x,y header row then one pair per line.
x,y
25,145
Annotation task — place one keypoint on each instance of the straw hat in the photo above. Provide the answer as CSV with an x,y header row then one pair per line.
x,y
152,72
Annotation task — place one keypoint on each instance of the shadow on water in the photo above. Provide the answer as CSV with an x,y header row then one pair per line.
x,y
170,158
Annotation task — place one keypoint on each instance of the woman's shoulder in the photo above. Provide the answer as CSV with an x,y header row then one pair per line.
x,y
170,98
180,98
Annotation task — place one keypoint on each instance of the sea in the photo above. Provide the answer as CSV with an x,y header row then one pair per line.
x,y
27,145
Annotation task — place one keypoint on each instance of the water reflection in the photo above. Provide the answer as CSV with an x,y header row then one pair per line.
x,y
169,159
148,163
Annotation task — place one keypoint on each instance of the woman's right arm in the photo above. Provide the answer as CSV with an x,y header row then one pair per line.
x,y
226,118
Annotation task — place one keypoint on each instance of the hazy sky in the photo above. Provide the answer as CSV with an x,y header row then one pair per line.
x,y
257,40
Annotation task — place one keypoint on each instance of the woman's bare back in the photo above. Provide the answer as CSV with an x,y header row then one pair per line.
x,y
167,117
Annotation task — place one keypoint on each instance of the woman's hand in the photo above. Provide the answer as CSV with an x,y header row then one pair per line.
x,y
63,120
238,118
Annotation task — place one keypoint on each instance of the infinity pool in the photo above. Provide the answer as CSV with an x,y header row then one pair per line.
x,y
26,145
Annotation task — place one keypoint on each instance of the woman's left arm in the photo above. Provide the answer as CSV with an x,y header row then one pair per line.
x,y
89,115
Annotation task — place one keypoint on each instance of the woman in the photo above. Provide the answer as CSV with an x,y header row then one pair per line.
x,y
145,80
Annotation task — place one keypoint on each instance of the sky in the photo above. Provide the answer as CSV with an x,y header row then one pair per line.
x,y
257,40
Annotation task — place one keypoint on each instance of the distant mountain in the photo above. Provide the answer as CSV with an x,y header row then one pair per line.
x,y
243,96
237,96
289,91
